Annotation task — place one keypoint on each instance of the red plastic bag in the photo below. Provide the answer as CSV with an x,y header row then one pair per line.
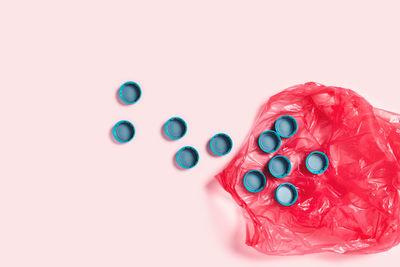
x,y
354,206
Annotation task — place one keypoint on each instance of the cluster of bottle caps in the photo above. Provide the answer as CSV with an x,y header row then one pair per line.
x,y
280,166
175,128
221,144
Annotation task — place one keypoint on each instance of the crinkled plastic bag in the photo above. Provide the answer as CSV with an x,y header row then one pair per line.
x,y
353,207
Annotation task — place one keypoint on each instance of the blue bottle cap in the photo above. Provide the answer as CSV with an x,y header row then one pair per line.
x,y
286,126
279,166
221,144
187,157
286,194
130,92
175,128
317,162
269,141
254,181
123,131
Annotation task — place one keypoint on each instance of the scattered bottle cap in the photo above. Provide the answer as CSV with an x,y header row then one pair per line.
x,y
187,157
123,131
221,144
317,162
286,194
130,92
286,126
269,141
175,128
254,181
279,166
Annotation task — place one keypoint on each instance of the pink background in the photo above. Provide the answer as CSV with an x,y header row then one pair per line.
x,y
70,196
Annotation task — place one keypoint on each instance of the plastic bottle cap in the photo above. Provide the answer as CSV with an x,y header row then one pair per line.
x,y
279,166
254,181
175,128
317,162
221,144
286,194
286,126
187,157
130,92
123,131
269,141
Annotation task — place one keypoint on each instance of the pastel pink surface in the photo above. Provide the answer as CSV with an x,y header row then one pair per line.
x,y
70,196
